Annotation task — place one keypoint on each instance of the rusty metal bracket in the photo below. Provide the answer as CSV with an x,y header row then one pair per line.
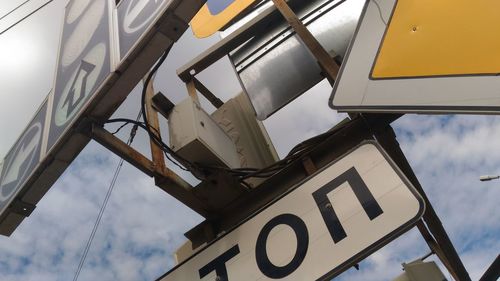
x,y
22,208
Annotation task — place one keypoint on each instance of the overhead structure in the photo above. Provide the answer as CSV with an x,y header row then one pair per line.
x,y
424,57
334,199
96,70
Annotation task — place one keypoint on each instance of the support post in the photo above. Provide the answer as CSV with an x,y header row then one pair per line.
x,y
152,114
387,138
434,246
191,88
165,179
329,66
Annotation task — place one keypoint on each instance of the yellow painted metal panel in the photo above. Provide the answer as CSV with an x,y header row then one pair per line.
x,y
205,24
440,38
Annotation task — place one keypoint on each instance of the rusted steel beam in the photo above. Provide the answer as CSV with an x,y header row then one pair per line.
x,y
121,149
165,179
387,138
434,246
191,88
329,66
493,272
152,114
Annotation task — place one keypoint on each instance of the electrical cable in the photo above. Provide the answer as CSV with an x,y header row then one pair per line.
x,y
296,153
25,17
133,133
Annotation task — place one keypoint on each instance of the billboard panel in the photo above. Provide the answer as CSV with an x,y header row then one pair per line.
x,y
318,229
421,56
20,164
87,86
133,19
84,62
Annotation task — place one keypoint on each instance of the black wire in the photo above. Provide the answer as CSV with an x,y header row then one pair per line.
x,y
25,17
133,132
242,173
296,153
15,9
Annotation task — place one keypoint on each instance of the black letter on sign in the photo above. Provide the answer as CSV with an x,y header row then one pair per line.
x,y
365,197
300,229
219,264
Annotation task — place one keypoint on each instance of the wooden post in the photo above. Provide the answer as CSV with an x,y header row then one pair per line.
x,y
154,123
191,88
329,66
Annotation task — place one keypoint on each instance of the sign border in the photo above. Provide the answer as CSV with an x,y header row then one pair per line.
x,y
361,255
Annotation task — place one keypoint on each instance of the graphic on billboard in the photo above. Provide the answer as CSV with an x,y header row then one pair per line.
x,y
22,159
320,228
421,56
134,18
84,62
216,14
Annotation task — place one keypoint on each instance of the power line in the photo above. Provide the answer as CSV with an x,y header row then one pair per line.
x,y
25,17
11,11
104,204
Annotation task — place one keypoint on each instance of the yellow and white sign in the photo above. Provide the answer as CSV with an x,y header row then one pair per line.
x,y
423,56
213,17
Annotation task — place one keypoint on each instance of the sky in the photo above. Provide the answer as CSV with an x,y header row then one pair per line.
x,y
142,225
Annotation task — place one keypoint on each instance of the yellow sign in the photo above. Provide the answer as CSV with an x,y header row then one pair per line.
x,y
205,23
440,38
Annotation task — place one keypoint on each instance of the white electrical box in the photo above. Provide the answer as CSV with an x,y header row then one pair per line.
x,y
253,144
195,136
421,271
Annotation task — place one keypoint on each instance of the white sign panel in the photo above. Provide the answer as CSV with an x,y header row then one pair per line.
x,y
421,56
318,229
22,160
84,62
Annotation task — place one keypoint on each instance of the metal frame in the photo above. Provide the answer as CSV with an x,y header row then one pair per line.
x,y
236,208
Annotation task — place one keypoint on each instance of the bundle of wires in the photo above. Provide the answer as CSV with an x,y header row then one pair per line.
x,y
202,171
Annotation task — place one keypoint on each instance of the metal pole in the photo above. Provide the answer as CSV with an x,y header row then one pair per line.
x,y
387,138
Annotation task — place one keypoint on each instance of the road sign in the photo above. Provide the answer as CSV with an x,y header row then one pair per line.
x,y
19,164
133,18
216,14
84,62
319,228
423,56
